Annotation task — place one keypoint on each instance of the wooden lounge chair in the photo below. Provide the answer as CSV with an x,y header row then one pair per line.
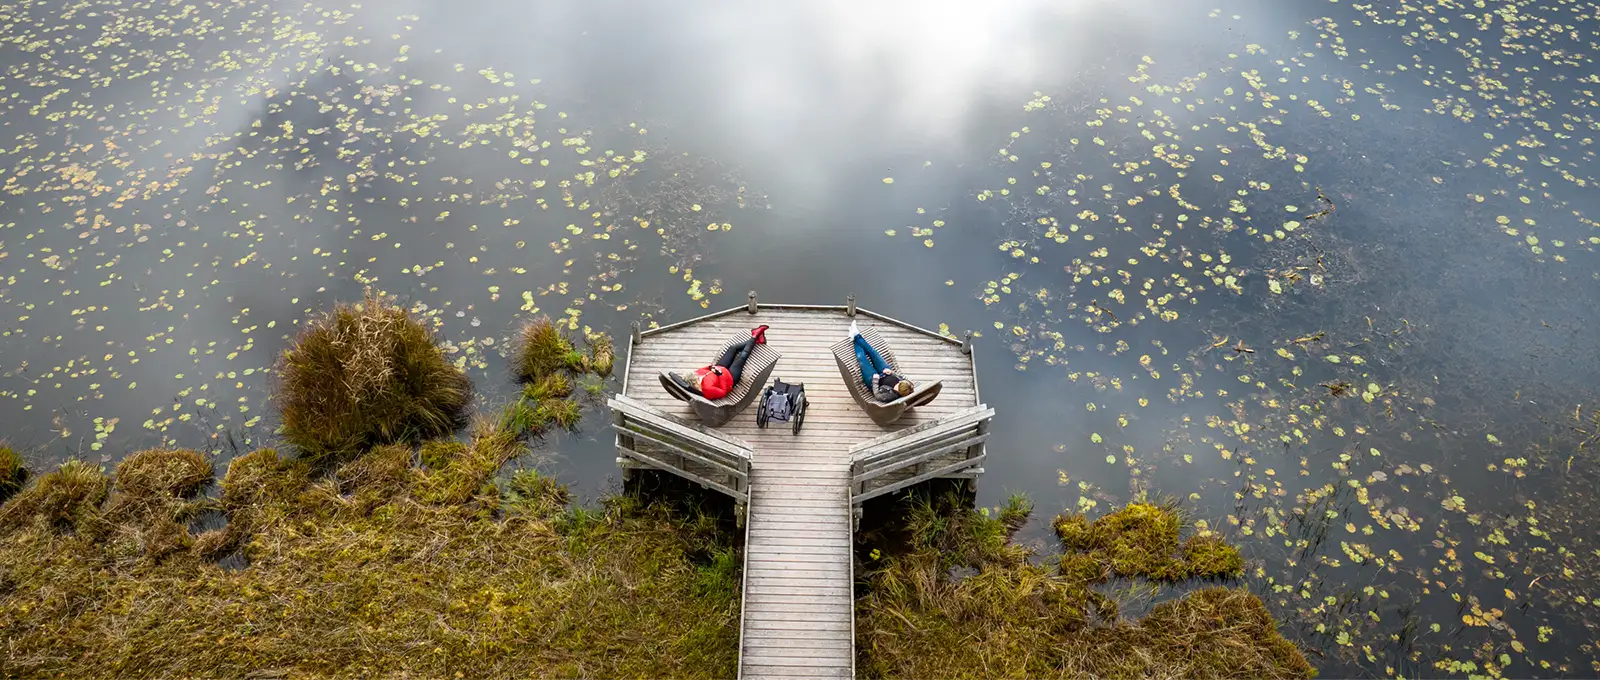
x,y
717,412
844,353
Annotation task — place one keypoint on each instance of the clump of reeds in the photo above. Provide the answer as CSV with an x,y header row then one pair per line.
x,y
541,350
565,413
553,386
366,374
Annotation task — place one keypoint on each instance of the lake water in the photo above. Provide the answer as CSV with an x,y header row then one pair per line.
x,y
1323,272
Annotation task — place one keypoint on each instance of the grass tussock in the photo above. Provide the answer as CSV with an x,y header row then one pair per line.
x,y
962,601
394,563
12,472
61,501
541,350
1142,540
160,473
367,374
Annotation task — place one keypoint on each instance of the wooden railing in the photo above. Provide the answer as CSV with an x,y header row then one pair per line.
x,y
919,449
662,441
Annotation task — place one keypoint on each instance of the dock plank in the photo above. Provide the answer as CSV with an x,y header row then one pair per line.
x,y
798,600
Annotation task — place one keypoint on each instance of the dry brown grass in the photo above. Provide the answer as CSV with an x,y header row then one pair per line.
x,y
380,567
367,374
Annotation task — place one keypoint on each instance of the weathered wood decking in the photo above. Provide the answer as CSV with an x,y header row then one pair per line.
x,y
798,607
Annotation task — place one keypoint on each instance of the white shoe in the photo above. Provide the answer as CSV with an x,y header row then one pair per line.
x,y
853,330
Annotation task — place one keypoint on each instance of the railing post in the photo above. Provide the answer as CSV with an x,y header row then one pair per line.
x,y
636,335
975,449
751,305
966,343
850,305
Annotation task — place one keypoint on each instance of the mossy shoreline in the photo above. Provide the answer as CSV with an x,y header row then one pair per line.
x,y
405,551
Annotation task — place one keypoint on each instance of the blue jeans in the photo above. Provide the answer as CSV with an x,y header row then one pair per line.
x,y
871,362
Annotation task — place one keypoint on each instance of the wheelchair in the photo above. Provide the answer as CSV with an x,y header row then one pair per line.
x,y
783,401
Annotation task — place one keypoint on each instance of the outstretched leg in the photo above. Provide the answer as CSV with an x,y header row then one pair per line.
x,y
871,362
734,358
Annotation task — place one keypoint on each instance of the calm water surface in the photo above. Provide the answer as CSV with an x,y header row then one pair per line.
x,y
1323,272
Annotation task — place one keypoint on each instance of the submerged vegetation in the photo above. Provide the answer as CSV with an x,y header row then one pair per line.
x,y
367,374
963,600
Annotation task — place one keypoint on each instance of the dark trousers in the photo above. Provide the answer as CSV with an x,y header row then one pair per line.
x,y
734,358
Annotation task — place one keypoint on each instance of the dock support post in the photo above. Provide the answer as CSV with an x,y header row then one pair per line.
x,y
740,510
966,343
636,335
855,519
751,306
850,305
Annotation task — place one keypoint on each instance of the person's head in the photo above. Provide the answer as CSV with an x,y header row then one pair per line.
x,y
903,387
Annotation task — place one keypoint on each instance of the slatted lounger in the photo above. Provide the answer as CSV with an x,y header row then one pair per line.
x,y
844,353
717,412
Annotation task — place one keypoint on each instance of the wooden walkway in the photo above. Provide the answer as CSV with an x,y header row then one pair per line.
x,y
798,605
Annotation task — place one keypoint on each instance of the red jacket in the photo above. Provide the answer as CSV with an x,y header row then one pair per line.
x,y
714,381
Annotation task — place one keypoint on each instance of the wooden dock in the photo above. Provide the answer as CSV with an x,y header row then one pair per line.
x,y
800,493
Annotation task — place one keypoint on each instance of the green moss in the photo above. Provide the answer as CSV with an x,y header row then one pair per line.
x,y
64,500
530,492
447,573
1209,556
367,374
1082,568
541,350
1074,531
12,473
1140,540
437,453
374,477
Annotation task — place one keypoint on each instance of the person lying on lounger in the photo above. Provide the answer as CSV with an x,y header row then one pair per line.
x,y
880,378
717,380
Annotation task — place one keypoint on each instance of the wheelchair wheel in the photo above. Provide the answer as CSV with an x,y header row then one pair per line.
x,y
799,412
761,410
